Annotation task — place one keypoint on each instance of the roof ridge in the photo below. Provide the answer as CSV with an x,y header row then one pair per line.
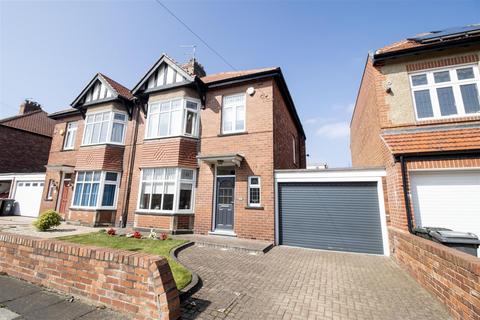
x,y
21,115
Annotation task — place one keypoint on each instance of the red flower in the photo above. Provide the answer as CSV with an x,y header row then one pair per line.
x,y
164,236
111,232
137,235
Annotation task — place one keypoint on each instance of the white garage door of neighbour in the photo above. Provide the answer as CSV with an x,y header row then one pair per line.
x,y
449,199
28,195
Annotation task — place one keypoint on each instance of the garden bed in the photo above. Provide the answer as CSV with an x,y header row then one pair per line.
x,y
157,247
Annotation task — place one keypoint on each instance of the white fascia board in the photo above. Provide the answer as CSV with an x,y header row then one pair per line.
x,y
329,175
22,176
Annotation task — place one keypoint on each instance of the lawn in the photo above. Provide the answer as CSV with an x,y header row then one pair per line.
x,y
158,247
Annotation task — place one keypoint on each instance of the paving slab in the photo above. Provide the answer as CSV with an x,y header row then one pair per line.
x,y
228,243
6,314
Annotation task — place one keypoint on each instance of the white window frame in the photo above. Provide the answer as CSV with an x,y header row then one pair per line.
x,y
71,131
51,189
454,83
109,129
184,111
294,146
102,182
256,186
234,121
176,198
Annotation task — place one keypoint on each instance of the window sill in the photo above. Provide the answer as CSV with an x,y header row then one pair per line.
x,y
254,208
161,213
66,150
101,144
47,199
171,137
92,209
232,134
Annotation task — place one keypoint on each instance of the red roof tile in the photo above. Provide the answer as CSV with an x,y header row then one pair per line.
x,y
121,90
37,122
233,74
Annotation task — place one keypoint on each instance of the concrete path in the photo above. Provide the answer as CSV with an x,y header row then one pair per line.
x,y
22,300
23,225
294,283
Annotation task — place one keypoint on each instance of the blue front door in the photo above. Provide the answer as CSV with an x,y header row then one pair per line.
x,y
225,203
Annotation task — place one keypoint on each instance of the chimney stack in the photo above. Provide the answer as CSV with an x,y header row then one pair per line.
x,y
29,106
194,68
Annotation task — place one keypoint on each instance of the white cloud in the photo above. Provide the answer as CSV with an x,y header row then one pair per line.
x,y
334,130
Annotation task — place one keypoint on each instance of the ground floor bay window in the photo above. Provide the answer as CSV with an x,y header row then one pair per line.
x,y
166,190
96,190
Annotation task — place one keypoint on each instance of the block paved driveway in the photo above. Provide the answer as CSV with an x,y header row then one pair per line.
x,y
294,283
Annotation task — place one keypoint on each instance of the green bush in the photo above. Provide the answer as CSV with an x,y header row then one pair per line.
x,y
47,220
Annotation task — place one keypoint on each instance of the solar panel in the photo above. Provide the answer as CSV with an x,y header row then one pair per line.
x,y
437,35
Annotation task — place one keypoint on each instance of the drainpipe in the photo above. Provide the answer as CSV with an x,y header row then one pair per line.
x,y
405,194
131,166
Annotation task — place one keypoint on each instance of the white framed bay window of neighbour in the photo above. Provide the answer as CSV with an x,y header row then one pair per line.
x,y
167,190
105,127
174,117
96,190
254,193
233,114
446,93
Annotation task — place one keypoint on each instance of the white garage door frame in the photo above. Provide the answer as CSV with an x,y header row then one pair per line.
x,y
22,177
335,175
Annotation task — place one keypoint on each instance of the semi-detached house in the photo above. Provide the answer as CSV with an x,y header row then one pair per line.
x,y
181,151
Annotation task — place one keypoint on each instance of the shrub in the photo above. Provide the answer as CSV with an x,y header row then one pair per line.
x,y
137,235
164,236
47,220
111,232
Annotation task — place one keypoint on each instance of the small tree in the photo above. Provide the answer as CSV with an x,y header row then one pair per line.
x,y
47,220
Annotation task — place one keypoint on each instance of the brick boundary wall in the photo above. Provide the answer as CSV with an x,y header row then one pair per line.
x,y
452,276
137,284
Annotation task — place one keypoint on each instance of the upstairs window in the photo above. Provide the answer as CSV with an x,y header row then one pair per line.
x,y
254,191
451,92
105,127
69,143
172,118
233,114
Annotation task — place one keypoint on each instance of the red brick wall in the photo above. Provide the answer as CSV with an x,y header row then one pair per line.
x,y
102,157
22,151
171,152
137,284
450,275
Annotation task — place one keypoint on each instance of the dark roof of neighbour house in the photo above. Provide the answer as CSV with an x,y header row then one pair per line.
x,y
64,113
36,122
223,76
430,41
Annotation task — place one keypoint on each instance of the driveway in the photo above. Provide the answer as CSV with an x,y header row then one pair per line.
x,y
293,283
23,226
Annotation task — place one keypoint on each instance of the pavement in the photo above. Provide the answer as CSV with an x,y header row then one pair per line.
x,y
295,283
22,300
23,226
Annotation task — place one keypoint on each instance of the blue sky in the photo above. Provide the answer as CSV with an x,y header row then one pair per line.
x,y
50,50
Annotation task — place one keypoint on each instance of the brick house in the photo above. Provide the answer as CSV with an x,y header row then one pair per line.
x,y
25,141
418,115
182,151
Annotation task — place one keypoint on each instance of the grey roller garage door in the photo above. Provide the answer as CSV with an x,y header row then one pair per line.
x,y
335,216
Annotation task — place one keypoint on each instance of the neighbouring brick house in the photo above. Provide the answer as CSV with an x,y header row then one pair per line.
x,y
25,141
418,114
181,151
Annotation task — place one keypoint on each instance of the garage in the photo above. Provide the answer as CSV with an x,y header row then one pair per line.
x,y
340,210
448,198
25,189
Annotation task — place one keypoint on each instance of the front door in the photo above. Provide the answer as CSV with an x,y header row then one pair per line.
x,y
225,203
65,192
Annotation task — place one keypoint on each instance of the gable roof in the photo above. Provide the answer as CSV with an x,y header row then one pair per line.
x,y
36,122
115,91
151,72
429,41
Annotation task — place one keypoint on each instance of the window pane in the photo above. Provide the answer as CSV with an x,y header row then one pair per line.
x,y
145,195
168,196
419,79
192,105
108,195
465,73
98,117
240,119
78,193
165,106
103,132
119,116
446,101
90,119
88,176
190,122
254,181
111,176
470,98
163,124
255,195
147,174
106,116
88,134
176,104
185,200
187,174
176,123
86,194
81,176
117,132
154,108
442,76
96,132
170,174
228,119
423,104
96,176
157,196
159,174
94,194
152,126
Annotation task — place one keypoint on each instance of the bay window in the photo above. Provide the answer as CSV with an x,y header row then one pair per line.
x,y
96,189
166,190
104,127
451,92
172,118
233,113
